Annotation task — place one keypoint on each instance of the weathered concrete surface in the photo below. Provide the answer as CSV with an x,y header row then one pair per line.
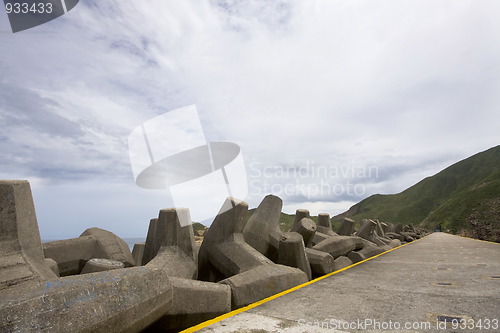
x,y
317,238
224,255
321,262
193,302
339,245
72,254
261,282
101,265
21,255
262,230
342,262
125,300
299,215
370,291
224,251
138,252
305,227
170,246
292,252
324,225
34,299
113,246
347,227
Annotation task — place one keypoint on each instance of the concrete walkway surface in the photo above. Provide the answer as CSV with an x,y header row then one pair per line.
x,y
440,283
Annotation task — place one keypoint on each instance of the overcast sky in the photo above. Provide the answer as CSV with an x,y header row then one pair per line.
x,y
329,101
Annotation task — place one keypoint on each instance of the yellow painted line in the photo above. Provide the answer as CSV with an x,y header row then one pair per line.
x,y
270,298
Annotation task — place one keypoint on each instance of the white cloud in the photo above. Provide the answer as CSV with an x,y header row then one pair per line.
x,y
409,87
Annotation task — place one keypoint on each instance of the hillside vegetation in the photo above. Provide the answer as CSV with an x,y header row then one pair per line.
x,y
463,198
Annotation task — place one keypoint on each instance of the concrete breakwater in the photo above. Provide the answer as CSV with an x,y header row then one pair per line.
x,y
94,283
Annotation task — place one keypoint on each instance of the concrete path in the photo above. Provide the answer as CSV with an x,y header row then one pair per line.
x,y
419,287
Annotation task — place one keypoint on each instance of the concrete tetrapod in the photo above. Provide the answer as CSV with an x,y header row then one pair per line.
x,y
321,262
94,302
342,262
339,245
317,238
34,299
324,225
305,227
292,252
366,229
170,246
138,252
101,265
262,230
225,257
369,249
20,246
172,249
347,227
193,302
72,254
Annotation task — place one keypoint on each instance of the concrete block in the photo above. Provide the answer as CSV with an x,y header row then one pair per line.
x,y
71,255
262,231
224,251
305,227
321,262
326,231
317,238
347,227
339,246
394,235
170,246
356,256
138,252
123,300
261,282
175,262
166,230
21,253
224,255
292,252
324,220
193,302
299,215
379,229
52,264
324,224
113,246
371,249
366,229
101,265
398,228
342,262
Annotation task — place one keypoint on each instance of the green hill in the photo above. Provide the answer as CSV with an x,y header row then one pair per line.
x,y
463,198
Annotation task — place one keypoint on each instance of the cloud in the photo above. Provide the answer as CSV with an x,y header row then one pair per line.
x,y
406,88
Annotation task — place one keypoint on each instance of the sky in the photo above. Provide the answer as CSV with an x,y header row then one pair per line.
x,y
329,101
